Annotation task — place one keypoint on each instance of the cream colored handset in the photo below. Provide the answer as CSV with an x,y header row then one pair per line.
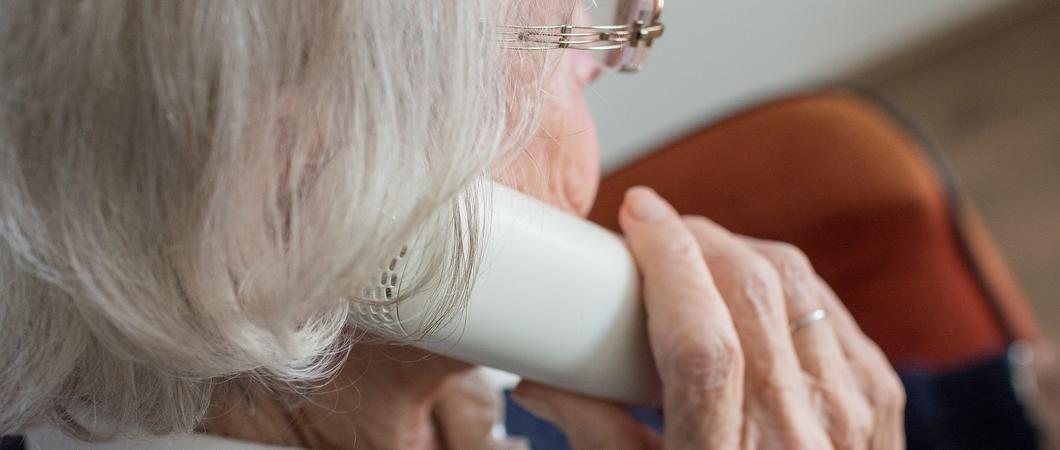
x,y
556,299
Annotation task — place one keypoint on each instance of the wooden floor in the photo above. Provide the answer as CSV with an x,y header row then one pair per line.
x,y
989,96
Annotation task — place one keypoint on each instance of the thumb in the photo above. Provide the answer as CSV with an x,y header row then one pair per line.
x,y
588,423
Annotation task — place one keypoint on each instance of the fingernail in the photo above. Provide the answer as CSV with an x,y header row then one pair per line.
x,y
646,205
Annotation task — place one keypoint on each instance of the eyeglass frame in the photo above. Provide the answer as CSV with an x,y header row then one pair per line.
x,y
587,37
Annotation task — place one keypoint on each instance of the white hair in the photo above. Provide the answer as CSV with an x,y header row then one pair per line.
x,y
193,191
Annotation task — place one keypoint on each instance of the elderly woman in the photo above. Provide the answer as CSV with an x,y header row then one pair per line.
x,y
192,194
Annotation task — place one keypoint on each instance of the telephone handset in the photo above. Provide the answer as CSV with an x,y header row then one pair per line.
x,y
556,300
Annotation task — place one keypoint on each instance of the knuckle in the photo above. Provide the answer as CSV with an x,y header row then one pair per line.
x,y
791,262
852,426
888,391
758,271
672,250
709,362
761,285
679,250
885,390
892,394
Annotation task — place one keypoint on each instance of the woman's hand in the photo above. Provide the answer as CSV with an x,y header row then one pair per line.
x,y
734,373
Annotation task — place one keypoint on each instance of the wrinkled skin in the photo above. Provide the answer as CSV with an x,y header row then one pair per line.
x,y
718,305
734,374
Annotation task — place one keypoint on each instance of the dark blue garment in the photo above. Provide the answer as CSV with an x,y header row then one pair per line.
x,y
974,408
12,443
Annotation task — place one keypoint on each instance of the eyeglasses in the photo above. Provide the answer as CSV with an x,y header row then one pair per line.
x,y
625,44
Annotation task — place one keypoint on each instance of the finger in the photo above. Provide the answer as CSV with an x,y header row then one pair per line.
x,y
466,411
588,423
776,385
873,373
844,409
692,336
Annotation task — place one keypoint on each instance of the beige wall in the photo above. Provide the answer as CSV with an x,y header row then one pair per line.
x,y
719,55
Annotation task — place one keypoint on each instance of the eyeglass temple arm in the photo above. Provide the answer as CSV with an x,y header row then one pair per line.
x,y
579,37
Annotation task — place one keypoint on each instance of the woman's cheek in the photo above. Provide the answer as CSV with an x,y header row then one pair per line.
x,y
561,166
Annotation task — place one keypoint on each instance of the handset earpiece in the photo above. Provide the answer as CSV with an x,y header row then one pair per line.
x,y
556,299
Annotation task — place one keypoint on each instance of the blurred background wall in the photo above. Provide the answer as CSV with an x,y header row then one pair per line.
x,y
981,78
718,55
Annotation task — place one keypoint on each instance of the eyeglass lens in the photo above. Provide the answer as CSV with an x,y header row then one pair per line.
x,y
623,12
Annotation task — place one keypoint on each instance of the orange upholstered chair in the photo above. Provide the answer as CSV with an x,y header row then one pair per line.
x,y
836,174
